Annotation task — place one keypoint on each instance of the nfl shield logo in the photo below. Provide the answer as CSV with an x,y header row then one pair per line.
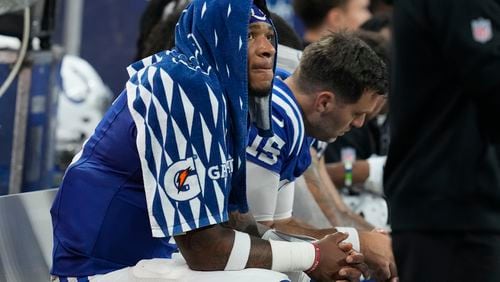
x,y
481,30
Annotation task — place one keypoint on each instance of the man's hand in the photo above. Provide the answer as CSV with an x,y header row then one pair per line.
x,y
337,260
376,247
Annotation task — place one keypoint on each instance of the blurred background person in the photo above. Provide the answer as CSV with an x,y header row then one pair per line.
x,y
323,16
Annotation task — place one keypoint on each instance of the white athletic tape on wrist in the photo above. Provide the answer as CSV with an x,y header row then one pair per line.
x,y
292,256
374,183
241,251
269,235
353,236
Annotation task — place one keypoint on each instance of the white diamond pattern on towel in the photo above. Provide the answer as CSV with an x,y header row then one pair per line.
x,y
168,209
210,216
188,109
180,140
220,197
200,169
149,179
183,109
214,103
151,74
168,86
195,209
157,149
181,216
222,155
147,61
207,136
162,118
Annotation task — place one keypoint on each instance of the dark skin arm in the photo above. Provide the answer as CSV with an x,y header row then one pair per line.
x,y
245,222
375,246
293,225
208,249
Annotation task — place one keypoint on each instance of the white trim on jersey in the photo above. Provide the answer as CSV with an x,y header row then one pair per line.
x,y
289,106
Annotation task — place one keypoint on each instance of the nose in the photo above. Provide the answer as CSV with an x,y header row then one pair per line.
x,y
265,48
359,121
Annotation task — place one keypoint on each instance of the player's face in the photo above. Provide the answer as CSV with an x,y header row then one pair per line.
x,y
343,116
355,13
260,58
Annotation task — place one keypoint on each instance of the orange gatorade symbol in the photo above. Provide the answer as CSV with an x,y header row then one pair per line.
x,y
181,179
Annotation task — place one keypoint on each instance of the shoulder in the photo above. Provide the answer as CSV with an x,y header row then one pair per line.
x,y
287,117
168,70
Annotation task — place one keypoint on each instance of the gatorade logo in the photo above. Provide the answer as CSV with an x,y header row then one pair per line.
x,y
221,171
180,179
183,180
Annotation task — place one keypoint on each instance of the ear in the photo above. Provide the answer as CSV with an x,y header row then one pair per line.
x,y
324,102
335,19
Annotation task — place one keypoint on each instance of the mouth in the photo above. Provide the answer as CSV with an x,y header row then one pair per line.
x,y
262,70
263,73
262,66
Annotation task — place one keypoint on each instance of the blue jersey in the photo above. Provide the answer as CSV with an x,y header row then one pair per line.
x,y
320,147
166,155
287,152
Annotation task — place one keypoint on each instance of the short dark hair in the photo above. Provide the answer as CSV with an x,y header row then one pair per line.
x,y
161,35
286,35
313,12
149,18
377,43
344,64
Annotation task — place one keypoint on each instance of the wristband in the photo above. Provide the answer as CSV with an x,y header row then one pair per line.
x,y
239,254
374,183
353,237
317,257
347,174
292,256
348,156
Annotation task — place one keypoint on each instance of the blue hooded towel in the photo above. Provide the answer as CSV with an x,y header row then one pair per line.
x,y
190,107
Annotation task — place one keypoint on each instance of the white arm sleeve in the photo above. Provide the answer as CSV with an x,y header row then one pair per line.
x,y
262,191
284,203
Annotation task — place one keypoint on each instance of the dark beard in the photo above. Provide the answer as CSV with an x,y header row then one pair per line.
x,y
258,92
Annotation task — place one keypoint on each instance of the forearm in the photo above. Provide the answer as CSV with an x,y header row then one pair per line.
x,y
322,197
294,226
345,216
208,249
360,172
349,218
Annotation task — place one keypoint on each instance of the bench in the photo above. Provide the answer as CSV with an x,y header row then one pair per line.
x,y
26,236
